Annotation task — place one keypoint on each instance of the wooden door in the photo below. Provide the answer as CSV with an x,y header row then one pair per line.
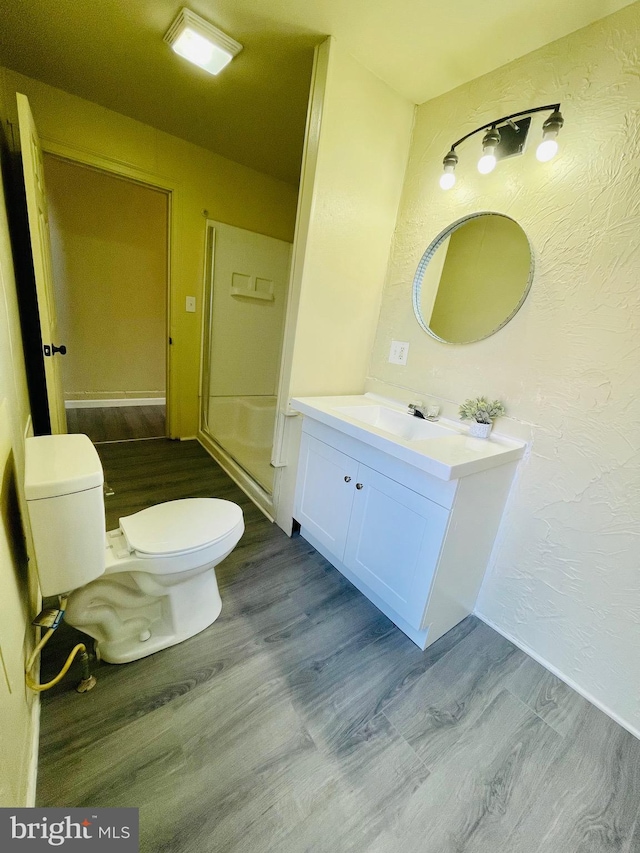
x,y
33,170
394,542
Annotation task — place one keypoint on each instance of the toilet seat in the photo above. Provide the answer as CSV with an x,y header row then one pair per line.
x,y
180,527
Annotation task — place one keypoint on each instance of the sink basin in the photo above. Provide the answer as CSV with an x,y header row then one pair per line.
x,y
443,449
400,424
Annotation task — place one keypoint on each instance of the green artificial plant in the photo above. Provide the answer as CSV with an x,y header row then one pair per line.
x,y
481,410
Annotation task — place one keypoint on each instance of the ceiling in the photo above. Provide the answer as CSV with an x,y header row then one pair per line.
x,y
112,52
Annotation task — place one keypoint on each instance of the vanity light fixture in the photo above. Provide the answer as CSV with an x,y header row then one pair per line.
x,y
200,42
506,138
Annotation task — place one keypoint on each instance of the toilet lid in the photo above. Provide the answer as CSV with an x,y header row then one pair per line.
x,y
177,527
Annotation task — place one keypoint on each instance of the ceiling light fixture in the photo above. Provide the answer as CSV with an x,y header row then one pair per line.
x,y
200,42
506,138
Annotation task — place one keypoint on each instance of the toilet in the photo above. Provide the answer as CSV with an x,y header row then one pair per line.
x,y
141,588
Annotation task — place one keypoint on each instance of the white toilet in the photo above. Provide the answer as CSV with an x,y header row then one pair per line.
x,y
152,583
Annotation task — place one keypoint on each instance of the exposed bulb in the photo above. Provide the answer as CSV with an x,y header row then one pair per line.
x,y
486,164
448,177
547,149
447,180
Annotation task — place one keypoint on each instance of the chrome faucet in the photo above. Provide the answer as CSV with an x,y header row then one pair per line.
x,y
427,413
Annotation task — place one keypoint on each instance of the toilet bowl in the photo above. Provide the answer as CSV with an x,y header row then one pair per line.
x,y
151,583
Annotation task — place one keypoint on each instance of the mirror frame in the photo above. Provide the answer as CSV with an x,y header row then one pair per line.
x,y
433,247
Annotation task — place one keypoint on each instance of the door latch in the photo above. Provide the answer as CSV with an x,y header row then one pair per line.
x,y
53,349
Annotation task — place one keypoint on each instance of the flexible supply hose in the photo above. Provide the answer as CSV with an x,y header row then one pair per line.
x,y
87,681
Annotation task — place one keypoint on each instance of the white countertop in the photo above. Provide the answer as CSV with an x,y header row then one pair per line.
x,y
449,454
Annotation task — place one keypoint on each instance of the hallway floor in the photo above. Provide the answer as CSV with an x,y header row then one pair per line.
x,y
303,720
118,423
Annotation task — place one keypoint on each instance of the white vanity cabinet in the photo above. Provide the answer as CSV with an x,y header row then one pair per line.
x,y
415,545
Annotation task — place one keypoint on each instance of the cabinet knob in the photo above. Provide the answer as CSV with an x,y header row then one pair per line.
x,y
347,479
358,485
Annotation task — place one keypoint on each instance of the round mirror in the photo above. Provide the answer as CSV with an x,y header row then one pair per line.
x,y
473,278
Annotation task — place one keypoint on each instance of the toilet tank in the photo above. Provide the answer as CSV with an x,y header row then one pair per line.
x,y
64,494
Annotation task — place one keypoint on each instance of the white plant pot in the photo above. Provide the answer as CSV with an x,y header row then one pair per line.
x,y
479,430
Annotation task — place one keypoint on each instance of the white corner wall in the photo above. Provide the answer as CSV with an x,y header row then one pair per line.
x,y
356,150
565,575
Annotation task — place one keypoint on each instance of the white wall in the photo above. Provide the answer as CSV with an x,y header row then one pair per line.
x,y
355,156
565,576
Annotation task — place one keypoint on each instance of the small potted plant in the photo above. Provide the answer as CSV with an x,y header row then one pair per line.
x,y
482,413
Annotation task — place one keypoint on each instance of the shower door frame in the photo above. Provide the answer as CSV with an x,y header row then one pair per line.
x,y
260,496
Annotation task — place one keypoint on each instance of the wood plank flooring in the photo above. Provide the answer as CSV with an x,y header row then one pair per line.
x,y
303,720
118,423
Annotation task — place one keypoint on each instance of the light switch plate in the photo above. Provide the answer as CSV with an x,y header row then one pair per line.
x,y
398,352
191,304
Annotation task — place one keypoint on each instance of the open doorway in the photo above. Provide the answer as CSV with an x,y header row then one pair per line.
x,y
109,243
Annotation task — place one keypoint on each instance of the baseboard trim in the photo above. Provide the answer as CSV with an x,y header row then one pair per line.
x,y
555,671
34,750
125,401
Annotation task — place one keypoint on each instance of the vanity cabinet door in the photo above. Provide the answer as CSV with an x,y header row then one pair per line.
x,y
324,494
394,542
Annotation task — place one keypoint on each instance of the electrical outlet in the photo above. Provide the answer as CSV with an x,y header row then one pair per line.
x,y
398,352
191,304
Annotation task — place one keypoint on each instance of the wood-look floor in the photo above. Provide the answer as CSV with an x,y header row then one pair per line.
x,y
303,720
118,423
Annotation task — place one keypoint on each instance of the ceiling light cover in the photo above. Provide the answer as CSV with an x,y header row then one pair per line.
x,y
200,42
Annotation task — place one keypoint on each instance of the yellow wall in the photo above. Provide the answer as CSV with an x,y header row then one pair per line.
x,y
355,157
564,579
109,249
484,275
201,181
18,587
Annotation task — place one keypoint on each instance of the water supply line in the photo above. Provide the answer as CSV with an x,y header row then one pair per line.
x,y
87,682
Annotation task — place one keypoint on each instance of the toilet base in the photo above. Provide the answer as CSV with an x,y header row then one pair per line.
x,y
133,614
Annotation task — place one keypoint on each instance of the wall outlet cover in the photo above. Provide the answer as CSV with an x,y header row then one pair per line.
x,y
191,304
398,352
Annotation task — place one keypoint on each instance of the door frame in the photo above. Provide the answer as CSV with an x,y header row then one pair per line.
x,y
174,201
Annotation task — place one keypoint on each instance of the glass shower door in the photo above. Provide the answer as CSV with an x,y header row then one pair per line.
x,y
247,279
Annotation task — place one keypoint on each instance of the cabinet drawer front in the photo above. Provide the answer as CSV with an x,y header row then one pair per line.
x,y
324,493
394,542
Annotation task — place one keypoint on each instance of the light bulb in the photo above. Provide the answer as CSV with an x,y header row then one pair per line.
x,y
486,164
447,180
547,149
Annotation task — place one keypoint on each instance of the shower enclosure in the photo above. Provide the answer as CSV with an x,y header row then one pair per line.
x,y
246,279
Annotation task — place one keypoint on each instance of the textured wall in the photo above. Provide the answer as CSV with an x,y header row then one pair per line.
x,y
565,576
